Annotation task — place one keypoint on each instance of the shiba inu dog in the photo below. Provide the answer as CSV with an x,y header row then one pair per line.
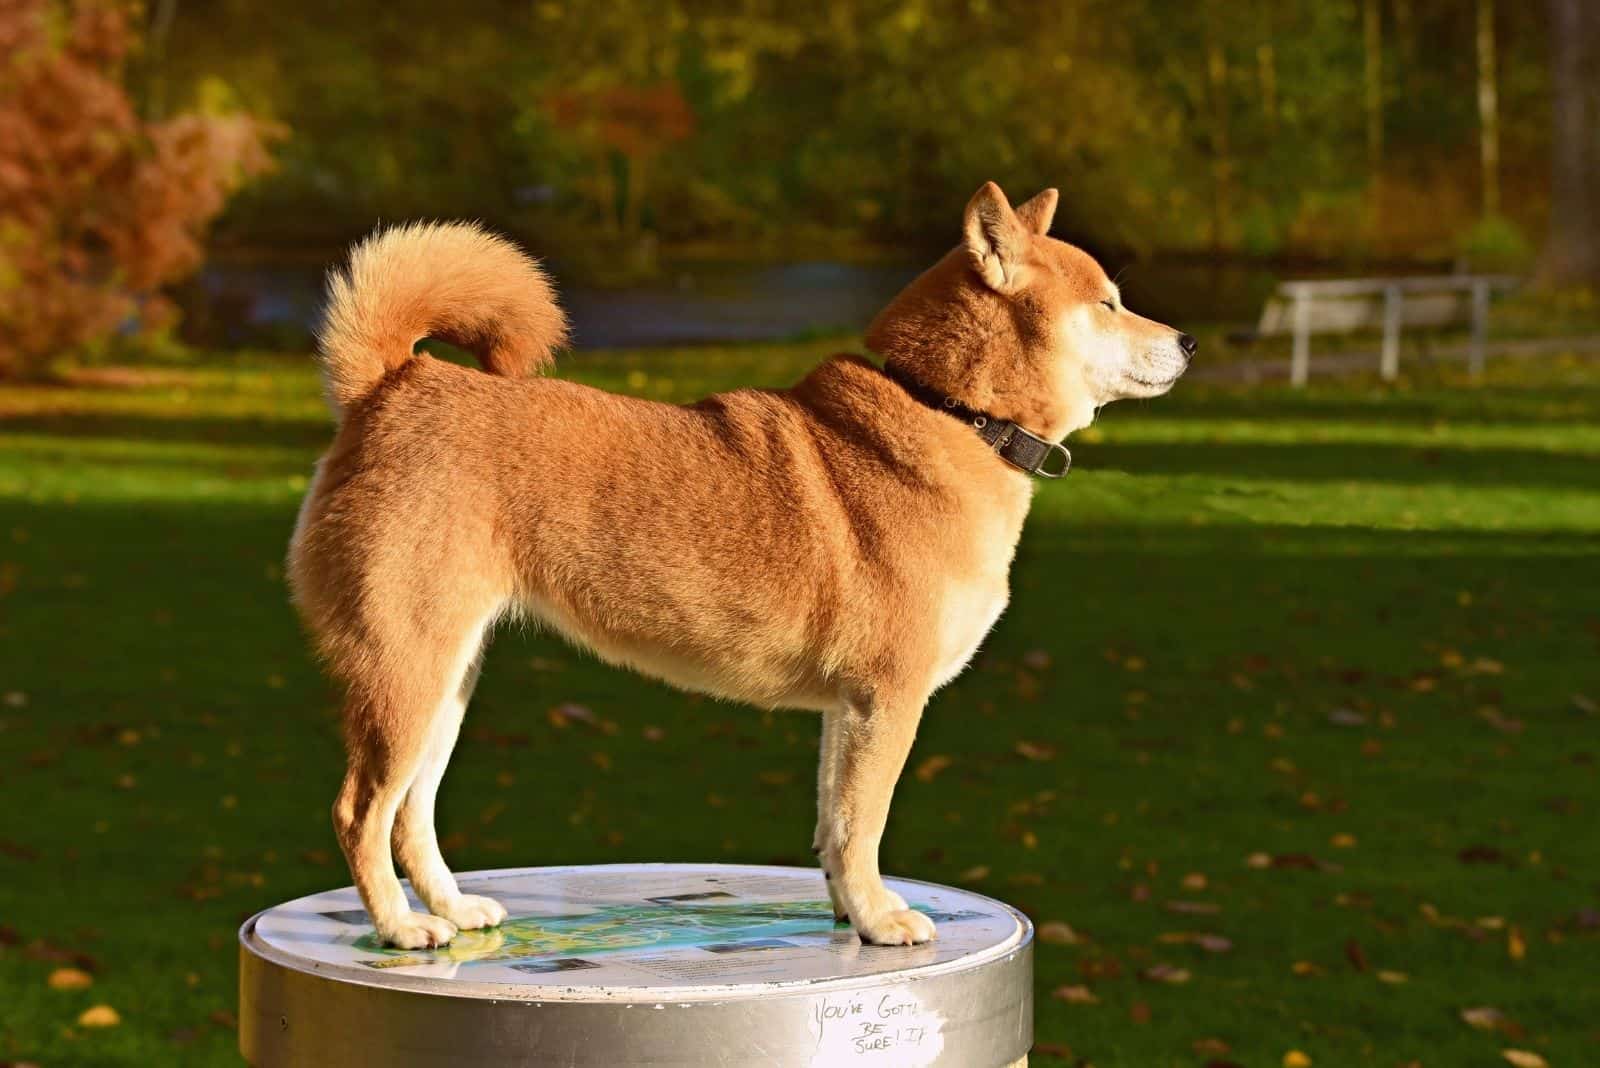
x,y
842,546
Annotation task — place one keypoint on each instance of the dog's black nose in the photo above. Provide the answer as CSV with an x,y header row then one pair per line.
x,y
1188,344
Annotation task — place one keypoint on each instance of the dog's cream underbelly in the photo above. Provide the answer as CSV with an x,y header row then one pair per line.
x,y
769,679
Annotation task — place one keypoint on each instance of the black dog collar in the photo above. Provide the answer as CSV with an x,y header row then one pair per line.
x,y
1018,447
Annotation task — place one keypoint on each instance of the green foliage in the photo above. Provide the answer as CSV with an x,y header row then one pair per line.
x,y
1169,125
1335,632
1496,243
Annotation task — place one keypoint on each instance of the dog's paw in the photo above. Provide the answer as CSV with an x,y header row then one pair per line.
x,y
901,927
417,930
469,912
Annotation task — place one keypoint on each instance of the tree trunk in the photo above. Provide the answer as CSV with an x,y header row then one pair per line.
x,y
1405,36
155,58
1572,251
1372,43
1221,147
1267,66
1488,110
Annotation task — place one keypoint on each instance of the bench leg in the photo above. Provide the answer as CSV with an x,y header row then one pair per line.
x,y
1389,367
1480,328
1300,361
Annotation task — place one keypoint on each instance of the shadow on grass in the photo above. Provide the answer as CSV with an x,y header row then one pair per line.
x,y
1464,466
207,430
1490,403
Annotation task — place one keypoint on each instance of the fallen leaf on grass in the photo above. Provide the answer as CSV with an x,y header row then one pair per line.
x,y
974,874
1057,933
931,767
99,1016
1504,725
1305,967
1393,978
1355,955
1524,1058
1300,861
1100,968
1193,908
1207,1047
561,715
1516,945
45,950
1139,1012
1036,751
1211,943
1295,1059
1489,1018
1075,994
1170,974
1194,881
70,979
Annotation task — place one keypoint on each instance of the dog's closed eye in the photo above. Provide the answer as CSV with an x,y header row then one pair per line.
x,y
1108,302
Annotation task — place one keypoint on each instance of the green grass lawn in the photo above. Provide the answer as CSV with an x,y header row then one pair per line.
x,y
1317,674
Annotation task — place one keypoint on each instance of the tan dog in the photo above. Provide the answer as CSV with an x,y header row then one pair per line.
x,y
842,546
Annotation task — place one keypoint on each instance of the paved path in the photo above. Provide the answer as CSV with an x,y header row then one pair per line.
x,y
1332,363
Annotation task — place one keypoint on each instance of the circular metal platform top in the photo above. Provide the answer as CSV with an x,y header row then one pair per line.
x,y
640,933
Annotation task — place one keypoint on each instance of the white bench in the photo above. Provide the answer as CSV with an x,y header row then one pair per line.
x,y
1341,306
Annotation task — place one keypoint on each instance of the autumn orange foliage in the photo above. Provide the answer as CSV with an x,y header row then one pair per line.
x,y
99,209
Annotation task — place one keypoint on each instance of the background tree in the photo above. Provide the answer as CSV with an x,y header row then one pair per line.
x,y
98,209
1321,128
1572,252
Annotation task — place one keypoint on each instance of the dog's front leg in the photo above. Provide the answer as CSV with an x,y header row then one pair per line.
x,y
828,760
872,740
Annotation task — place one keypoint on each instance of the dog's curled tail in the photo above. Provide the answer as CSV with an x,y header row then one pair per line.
x,y
452,281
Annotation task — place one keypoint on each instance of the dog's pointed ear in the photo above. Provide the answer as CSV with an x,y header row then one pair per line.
x,y
1036,214
996,240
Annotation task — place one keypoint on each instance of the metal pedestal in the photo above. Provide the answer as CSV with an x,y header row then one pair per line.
x,y
641,964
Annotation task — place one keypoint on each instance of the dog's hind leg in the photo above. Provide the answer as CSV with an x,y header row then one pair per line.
x,y
401,718
875,736
415,840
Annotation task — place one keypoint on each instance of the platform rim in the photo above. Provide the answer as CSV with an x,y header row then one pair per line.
x,y
536,994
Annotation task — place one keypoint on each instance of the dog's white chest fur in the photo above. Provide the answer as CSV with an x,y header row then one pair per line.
x,y
969,612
